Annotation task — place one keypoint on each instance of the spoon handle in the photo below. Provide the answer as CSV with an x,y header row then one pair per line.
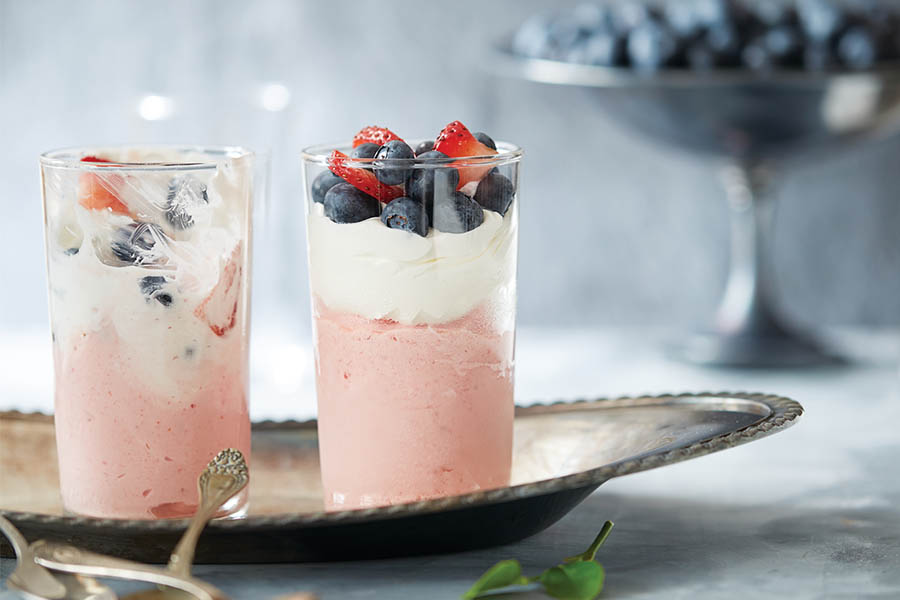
x,y
223,478
70,559
28,576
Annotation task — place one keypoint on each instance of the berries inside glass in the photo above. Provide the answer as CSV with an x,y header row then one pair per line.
x,y
412,261
148,267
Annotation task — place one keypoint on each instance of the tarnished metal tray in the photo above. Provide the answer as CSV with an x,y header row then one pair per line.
x,y
563,451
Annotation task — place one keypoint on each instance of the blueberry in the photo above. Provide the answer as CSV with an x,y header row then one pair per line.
x,y
757,57
821,19
565,31
713,12
406,214
185,193
425,183
627,15
346,204
323,182
784,43
682,18
603,48
151,286
723,40
423,147
857,48
532,39
485,139
71,251
134,244
590,17
718,47
391,174
457,213
365,152
495,192
651,46
771,13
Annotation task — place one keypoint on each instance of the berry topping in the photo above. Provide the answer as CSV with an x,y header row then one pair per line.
x,y
97,191
361,179
345,203
495,192
457,213
136,244
485,139
219,309
458,142
152,287
365,151
322,183
406,214
185,194
375,135
423,184
423,147
386,172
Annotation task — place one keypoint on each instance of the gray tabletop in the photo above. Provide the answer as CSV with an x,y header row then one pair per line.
x,y
811,512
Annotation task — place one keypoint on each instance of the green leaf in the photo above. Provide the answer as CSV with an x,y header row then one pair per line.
x,y
504,573
580,580
591,552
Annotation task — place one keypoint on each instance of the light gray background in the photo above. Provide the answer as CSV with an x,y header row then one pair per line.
x,y
614,230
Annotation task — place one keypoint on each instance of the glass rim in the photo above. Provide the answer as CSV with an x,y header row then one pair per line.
x,y
506,153
70,157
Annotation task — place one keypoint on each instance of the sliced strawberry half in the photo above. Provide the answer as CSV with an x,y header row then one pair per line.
x,y
96,191
219,309
361,179
456,141
374,135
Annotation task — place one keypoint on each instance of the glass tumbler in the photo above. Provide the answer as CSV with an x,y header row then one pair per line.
x,y
413,291
148,261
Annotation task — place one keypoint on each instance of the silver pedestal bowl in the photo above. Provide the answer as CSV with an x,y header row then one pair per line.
x,y
752,123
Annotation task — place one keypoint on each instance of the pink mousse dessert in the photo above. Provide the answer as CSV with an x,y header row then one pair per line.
x,y
148,264
412,261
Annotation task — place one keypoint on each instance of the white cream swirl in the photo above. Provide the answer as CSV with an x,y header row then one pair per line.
x,y
370,270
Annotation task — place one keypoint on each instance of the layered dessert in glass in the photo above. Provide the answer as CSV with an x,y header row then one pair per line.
x,y
412,262
148,256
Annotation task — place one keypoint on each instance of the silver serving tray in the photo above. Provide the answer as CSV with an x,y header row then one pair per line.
x,y
562,453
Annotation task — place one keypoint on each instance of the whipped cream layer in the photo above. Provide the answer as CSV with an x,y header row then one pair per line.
x,y
376,272
93,292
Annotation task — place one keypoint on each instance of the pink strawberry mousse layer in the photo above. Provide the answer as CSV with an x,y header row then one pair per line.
x,y
126,450
412,412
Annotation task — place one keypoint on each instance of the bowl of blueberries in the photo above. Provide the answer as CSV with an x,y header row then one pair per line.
x,y
752,84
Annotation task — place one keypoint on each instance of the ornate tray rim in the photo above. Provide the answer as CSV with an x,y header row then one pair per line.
x,y
776,413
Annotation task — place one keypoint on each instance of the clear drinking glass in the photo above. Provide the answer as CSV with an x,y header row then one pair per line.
x,y
148,259
414,332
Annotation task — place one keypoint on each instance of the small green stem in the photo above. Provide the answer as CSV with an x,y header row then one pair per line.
x,y
591,552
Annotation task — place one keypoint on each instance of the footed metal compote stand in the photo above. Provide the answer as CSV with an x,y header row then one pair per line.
x,y
752,122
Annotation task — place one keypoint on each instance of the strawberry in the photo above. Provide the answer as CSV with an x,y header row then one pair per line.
x,y
456,141
95,191
219,309
374,135
361,179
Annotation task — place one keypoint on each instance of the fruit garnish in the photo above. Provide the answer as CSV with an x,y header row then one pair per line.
x,y
219,309
579,577
96,191
456,141
374,135
361,179
347,204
